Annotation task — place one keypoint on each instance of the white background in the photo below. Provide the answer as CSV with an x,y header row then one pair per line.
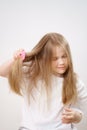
x,y
22,24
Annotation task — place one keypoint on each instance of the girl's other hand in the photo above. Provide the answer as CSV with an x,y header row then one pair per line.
x,y
71,116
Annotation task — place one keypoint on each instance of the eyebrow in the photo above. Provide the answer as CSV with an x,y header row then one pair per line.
x,y
61,54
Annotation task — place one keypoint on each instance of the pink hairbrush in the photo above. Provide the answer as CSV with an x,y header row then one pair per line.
x,y
22,55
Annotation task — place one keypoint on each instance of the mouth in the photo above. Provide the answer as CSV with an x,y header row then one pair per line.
x,y
62,68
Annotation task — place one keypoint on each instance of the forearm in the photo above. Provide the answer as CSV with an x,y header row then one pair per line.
x,y
6,67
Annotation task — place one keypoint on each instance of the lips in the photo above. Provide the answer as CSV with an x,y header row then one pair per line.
x,y
61,67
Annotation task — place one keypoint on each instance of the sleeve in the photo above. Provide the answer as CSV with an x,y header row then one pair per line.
x,y
82,97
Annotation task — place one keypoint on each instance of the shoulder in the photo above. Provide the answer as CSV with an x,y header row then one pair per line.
x,y
79,82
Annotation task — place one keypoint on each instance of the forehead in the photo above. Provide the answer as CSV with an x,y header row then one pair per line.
x,y
58,50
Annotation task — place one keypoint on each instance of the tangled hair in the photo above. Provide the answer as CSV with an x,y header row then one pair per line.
x,y
38,64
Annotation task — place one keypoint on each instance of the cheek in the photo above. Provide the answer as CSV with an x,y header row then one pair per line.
x,y
67,64
54,63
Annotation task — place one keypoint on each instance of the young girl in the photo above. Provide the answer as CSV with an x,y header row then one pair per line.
x,y
53,93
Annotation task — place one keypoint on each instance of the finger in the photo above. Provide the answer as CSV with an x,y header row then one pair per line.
x,y
67,109
67,119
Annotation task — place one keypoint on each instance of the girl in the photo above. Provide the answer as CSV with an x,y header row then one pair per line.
x,y
53,93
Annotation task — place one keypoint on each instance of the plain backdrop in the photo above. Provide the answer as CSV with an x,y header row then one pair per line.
x,y
22,24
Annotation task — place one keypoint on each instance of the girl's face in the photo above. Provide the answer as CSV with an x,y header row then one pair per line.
x,y
59,61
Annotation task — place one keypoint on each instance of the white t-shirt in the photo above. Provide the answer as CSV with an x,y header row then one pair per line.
x,y
38,116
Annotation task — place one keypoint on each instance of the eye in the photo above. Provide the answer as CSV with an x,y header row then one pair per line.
x,y
55,58
64,56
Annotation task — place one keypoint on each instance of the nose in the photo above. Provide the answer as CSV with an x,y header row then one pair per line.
x,y
60,61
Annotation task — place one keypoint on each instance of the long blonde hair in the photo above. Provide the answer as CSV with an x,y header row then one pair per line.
x,y
39,66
